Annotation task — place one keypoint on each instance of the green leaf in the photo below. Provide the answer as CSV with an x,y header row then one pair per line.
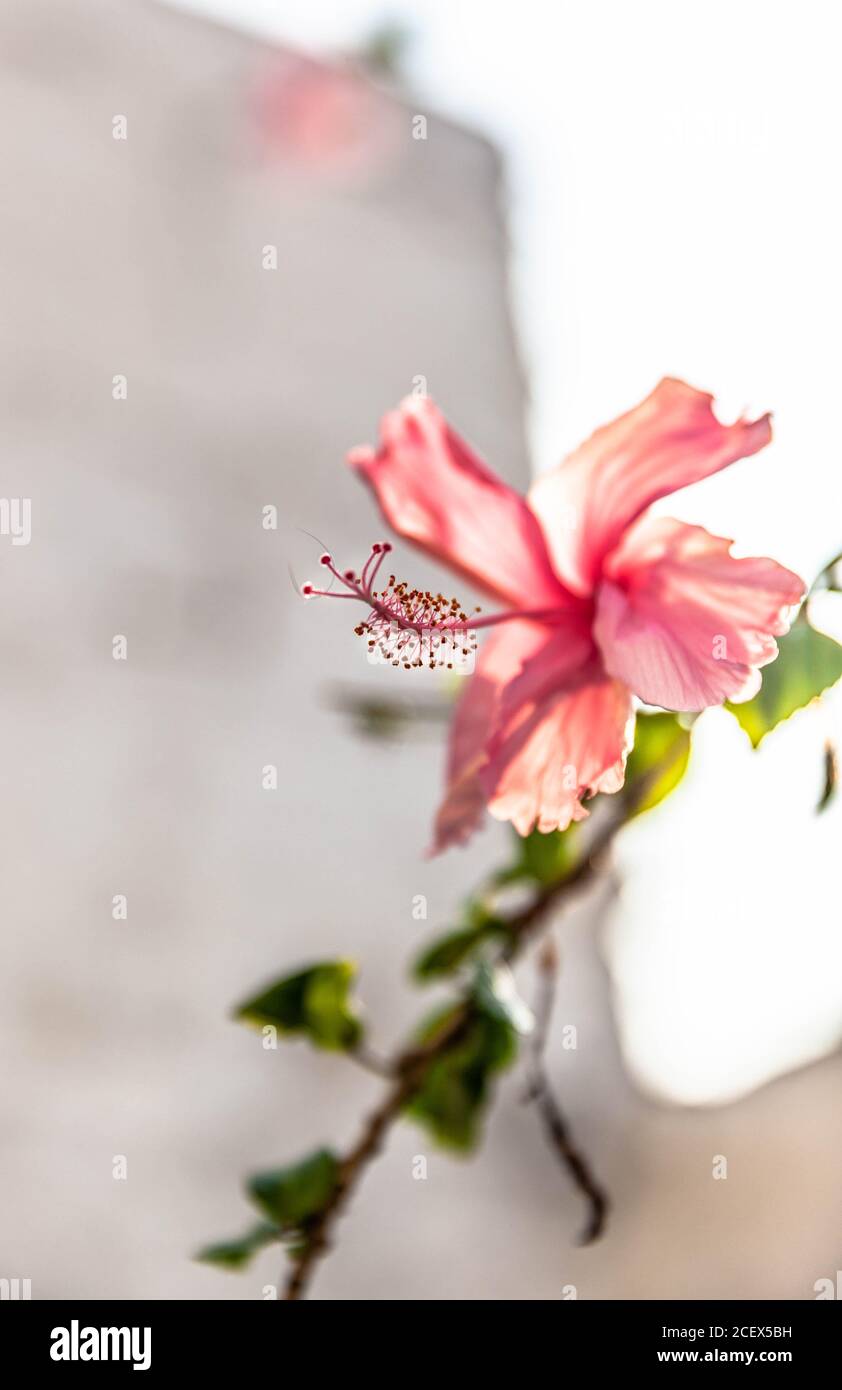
x,y
447,953
235,1254
289,1196
457,1087
542,858
808,663
379,719
660,740
313,1002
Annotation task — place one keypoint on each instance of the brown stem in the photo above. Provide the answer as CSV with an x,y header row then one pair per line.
x,y
541,1095
410,1068
572,1158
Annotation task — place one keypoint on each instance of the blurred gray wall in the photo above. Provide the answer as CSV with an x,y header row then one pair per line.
x,y
245,387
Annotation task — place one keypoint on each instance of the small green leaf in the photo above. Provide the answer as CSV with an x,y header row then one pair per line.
x,y
235,1254
289,1196
542,858
808,663
456,1088
379,719
660,740
313,1002
447,953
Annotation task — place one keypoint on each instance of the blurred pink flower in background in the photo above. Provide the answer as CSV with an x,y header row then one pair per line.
x,y
604,601
323,118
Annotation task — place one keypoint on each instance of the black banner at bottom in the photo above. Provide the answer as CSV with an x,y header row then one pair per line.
x,y
251,1338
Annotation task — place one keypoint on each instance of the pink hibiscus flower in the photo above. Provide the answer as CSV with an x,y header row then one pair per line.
x,y
602,600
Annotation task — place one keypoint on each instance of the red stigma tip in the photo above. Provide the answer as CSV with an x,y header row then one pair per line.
x,y
306,590
325,559
387,546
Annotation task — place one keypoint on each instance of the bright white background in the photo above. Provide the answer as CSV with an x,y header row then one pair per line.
x,y
675,208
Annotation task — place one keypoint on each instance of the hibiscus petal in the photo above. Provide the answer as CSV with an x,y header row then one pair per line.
x,y
671,439
565,654
570,743
684,623
433,490
474,721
